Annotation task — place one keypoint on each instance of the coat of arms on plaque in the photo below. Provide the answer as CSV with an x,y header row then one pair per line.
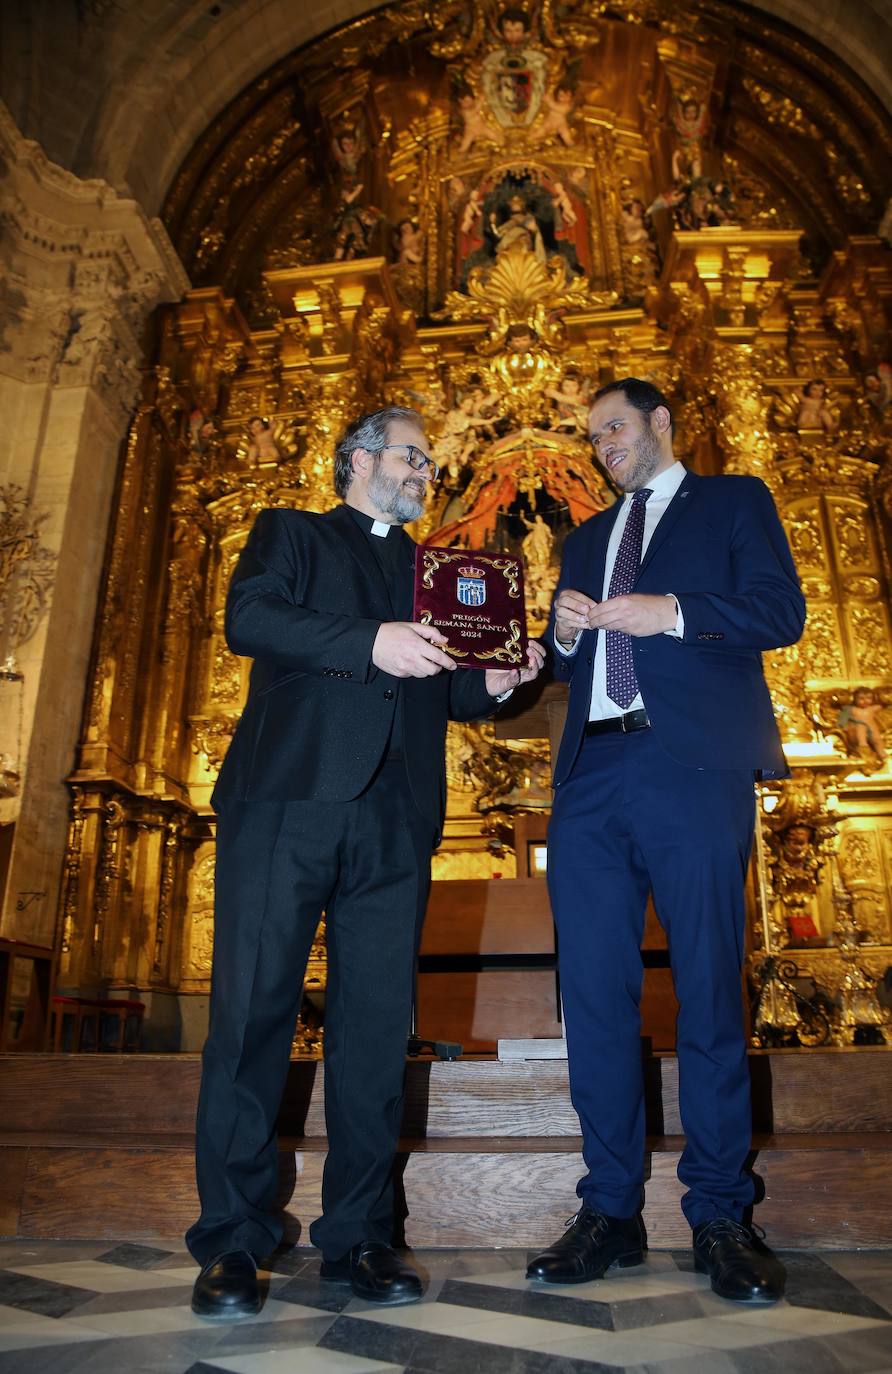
x,y
471,586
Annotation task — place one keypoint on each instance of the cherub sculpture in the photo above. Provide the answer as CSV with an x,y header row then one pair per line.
x,y
472,212
633,223
564,214
814,413
806,409
476,125
408,243
262,446
569,410
861,724
460,436
557,109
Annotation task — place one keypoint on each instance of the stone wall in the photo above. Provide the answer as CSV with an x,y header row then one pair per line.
x,y
82,267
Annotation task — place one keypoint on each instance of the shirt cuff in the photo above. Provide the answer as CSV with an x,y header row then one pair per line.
x,y
562,648
677,631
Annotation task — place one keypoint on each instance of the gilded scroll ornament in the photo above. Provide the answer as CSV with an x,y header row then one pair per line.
x,y
779,109
861,871
211,736
822,642
870,632
860,1016
807,539
510,651
200,929
782,1014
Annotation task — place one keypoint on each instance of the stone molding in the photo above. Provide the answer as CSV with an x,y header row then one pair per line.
x,y
82,266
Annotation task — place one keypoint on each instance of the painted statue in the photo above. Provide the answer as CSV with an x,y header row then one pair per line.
x,y
861,725
814,413
519,230
262,446
690,122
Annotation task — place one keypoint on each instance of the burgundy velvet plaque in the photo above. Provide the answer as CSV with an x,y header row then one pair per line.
x,y
476,600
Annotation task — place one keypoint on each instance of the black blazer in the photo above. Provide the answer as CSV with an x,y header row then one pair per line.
x,y
306,600
721,549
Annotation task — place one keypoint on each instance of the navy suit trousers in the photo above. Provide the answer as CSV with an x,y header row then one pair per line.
x,y
630,820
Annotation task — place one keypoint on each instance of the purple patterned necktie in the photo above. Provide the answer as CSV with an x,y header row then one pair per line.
x,y
622,684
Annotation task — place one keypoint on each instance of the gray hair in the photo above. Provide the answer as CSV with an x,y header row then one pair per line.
x,y
369,432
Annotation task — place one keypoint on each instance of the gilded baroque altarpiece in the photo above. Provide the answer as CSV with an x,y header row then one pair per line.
x,y
485,212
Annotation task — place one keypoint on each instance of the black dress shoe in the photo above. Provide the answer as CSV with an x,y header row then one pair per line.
x,y
739,1265
589,1247
375,1273
226,1289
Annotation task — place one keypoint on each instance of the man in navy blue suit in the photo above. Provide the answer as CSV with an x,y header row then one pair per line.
x,y
665,604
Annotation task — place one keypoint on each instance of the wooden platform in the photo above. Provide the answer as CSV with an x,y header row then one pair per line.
x,y
101,1146
488,964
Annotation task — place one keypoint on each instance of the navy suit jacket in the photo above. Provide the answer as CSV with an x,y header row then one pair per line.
x,y
721,549
306,600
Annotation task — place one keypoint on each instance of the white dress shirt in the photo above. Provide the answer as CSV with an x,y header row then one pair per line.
x,y
662,487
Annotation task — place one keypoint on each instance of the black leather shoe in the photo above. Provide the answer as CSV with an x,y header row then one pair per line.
x,y
739,1265
226,1289
592,1244
375,1273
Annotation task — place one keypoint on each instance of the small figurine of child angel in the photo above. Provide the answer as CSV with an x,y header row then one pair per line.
x,y
861,725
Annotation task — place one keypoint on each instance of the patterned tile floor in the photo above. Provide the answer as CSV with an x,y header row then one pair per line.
x,y
90,1308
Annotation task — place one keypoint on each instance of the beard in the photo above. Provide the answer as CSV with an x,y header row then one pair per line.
x,y
646,457
404,500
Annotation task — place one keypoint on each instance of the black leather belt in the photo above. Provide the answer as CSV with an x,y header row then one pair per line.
x,y
627,724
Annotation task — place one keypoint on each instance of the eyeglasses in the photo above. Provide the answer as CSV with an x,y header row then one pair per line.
x,y
415,457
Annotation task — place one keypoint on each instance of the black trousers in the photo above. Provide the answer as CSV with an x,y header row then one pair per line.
x,y
366,863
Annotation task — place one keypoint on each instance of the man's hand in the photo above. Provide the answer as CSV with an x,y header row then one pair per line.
x,y
571,615
404,648
499,680
635,614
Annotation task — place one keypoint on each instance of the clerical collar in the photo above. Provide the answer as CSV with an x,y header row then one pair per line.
x,y
378,527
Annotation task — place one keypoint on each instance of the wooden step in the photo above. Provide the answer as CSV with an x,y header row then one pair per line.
x,y
820,1190
102,1146
793,1091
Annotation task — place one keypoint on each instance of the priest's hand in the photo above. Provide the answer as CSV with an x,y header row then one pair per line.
x,y
500,680
404,648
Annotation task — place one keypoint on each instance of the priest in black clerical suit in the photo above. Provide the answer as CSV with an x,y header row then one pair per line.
x,y
331,798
